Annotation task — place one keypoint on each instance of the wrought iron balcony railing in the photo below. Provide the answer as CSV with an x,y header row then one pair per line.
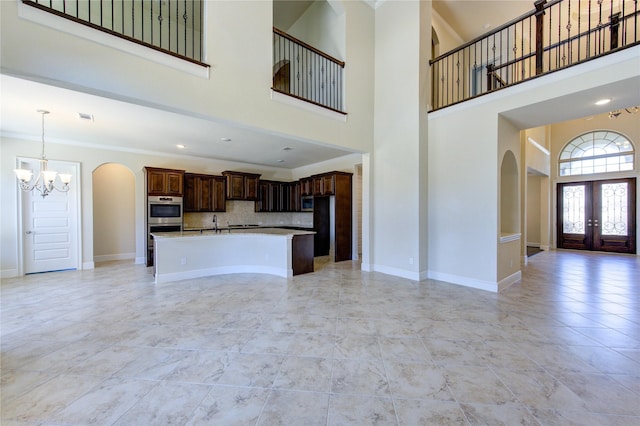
x,y
304,72
170,26
551,37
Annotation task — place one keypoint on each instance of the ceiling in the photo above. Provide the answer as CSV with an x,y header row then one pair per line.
x,y
287,12
129,127
472,18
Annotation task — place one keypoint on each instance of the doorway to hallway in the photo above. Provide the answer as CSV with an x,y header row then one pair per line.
x,y
597,215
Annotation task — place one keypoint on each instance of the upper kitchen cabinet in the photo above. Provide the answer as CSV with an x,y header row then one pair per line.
x,y
241,186
204,193
164,181
324,184
306,186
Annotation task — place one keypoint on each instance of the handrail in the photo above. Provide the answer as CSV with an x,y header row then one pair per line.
x,y
306,73
485,35
195,39
534,44
308,46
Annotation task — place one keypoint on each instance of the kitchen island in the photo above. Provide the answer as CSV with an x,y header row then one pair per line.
x,y
194,254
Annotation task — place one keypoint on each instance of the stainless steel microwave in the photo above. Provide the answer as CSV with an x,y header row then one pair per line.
x,y
164,210
306,203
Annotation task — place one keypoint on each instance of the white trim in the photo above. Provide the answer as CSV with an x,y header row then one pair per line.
x,y
77,181
397,272
307,106
537,145
9,273
111,257
464,281
507,238
509,281
88,265
141,260
82,31
222,270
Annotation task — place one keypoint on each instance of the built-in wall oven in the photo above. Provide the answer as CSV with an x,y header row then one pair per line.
x,y
164,214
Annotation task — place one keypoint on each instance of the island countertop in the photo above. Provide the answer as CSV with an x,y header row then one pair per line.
x,y
206,232
192,254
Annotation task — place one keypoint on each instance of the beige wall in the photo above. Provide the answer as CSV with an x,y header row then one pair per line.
x,y
464,144
114,210
563,133
91,159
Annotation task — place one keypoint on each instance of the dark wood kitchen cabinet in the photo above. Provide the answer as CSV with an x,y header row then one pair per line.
x,y
340,184
164,181
306,186
204,193
241,186
292,196
269,196
274,196
324,184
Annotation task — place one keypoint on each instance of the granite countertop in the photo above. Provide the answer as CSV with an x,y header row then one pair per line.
x,y
203,232
251,226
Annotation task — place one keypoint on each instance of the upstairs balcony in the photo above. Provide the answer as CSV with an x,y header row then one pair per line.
x,y
554,35
175,27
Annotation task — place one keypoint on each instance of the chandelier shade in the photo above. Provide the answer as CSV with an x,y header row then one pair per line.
x,y
45,179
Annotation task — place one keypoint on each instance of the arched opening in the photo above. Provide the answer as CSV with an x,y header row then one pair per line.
x,y
509,195
113,213
281,76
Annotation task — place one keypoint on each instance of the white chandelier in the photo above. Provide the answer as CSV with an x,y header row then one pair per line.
x,y
45,181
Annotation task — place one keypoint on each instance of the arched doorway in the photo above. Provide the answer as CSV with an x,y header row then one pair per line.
x,y
113,213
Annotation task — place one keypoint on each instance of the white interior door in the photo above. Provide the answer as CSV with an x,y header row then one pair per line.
x,y
50,237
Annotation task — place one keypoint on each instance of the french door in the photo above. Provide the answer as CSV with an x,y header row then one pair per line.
x,y
598,215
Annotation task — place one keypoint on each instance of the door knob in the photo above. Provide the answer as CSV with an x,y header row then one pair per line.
x,y
29,232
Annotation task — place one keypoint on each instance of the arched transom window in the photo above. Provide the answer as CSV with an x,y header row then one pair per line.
x,y
602,151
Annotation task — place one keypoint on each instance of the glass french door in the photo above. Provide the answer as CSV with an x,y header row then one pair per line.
x,y
598,215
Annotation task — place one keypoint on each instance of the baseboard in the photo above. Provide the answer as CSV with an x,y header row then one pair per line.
x,y
110,257
464,281
88,265
402,273
8,273
509,281
141,260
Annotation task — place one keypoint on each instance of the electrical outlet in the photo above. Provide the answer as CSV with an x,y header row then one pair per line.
x,y
183,261
411,261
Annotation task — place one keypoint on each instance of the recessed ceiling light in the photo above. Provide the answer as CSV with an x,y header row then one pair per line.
x,y
180,146
280,161
287,148
225,139
603,101
85,116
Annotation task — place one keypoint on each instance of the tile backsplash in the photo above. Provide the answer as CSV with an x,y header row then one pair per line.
x,y
243,213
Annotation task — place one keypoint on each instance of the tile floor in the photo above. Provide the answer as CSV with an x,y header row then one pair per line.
x,y
336,347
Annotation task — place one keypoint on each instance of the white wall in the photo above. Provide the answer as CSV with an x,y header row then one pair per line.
x,y
533,205
236,89
463,143
322,27
90,158
398,165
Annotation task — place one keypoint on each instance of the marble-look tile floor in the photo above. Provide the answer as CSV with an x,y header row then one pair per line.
x,y
335,347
